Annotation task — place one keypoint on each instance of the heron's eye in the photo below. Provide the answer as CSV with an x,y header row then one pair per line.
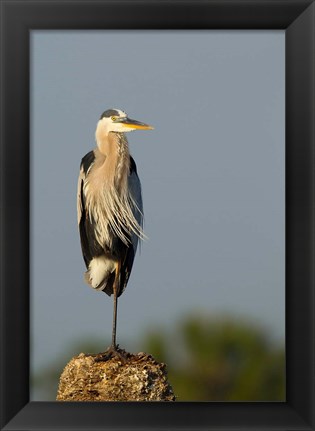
x,y
114,118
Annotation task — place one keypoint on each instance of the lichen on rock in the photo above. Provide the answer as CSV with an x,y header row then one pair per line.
x,y
139,377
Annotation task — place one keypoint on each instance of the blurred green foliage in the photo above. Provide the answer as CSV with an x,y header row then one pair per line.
x,y
220,360
207,359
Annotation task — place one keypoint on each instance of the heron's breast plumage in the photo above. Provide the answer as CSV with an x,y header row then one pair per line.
x,y
97,212
110,204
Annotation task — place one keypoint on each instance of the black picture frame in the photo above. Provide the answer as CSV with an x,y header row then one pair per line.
x,y
18,18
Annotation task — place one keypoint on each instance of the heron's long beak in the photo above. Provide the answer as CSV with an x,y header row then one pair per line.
x,y
135,124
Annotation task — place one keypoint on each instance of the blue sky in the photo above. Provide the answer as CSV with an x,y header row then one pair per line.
x,y
212,175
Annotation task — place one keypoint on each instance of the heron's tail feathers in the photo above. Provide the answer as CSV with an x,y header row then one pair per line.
x,y
105,285
100,274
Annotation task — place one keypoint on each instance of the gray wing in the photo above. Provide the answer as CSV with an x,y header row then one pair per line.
x,y
85,228
86,164
134,186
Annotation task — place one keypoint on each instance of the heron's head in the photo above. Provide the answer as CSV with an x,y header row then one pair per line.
x,y
115,120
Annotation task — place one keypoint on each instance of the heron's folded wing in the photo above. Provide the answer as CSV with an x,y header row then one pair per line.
x,y
134,186
86,164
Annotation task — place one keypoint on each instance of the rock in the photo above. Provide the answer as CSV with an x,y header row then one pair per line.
x,y
90,377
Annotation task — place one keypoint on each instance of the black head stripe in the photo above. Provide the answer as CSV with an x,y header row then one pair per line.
x,y
109,113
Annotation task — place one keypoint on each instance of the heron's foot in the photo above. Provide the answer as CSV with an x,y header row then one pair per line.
x,y
111,352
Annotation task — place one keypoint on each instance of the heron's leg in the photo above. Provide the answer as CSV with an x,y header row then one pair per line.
x,y
115,289
113,350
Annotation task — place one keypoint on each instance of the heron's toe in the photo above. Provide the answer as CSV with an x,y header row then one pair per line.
x,y
112,352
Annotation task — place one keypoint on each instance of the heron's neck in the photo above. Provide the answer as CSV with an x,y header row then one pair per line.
x,y
114,147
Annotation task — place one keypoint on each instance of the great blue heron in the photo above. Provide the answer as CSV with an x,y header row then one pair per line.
x,y
110,212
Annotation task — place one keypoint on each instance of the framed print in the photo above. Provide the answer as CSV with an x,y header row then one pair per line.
x,y
233,218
